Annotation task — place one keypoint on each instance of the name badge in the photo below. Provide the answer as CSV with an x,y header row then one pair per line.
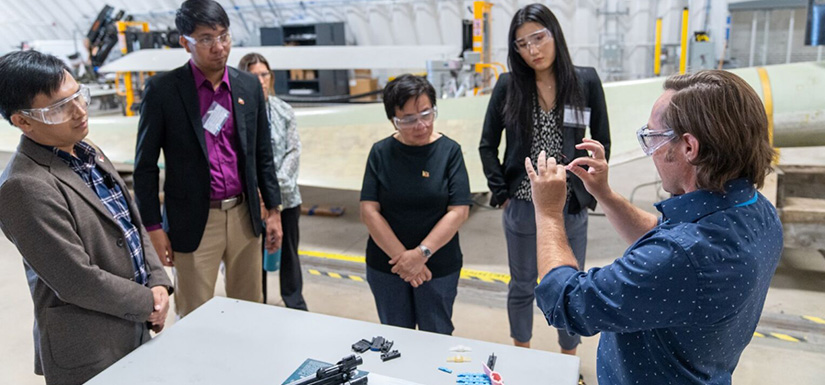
x,y
215,118
576,116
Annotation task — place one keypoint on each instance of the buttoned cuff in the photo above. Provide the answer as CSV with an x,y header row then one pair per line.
x,y
551,288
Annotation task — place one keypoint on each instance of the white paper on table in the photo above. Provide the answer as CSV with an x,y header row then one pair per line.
x,y
377,379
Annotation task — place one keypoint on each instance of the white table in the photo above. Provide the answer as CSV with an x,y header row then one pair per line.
x,y
227,341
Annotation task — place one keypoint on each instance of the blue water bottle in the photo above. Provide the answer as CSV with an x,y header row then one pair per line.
x,y
272,260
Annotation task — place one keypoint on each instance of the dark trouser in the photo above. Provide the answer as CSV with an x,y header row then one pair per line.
x,y
430,306
291,280
519,221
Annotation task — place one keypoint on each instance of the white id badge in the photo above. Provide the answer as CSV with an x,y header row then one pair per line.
x,y
214,119
576,117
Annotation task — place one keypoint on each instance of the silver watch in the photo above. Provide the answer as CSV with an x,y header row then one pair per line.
x,y
425,251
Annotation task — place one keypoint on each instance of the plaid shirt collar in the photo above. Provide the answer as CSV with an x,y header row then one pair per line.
x,y
83,161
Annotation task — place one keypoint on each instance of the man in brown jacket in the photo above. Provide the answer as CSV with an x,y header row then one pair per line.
x,y
96,281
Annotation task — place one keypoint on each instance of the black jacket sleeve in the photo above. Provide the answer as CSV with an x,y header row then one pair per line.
x,y
491,140
267,173
149,142
599,124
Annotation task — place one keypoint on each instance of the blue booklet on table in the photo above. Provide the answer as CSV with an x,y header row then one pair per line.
x,y
310,367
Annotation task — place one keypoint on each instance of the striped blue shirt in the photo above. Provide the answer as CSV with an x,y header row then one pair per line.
x,y
112,197
682,303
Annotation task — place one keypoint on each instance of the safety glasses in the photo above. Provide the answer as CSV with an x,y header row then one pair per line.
x,y
653,140
209,41
426,117
63,110
535,39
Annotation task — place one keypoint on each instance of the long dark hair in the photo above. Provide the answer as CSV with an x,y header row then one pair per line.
x,y
522,90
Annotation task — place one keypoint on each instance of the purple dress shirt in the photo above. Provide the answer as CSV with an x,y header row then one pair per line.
x,y
223,156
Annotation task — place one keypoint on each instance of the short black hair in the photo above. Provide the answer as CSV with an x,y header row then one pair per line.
x,y
404,87
26,74
193,13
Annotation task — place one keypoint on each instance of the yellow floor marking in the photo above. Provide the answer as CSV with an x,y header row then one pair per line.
x,y
784,337
484,276
814,319
337,257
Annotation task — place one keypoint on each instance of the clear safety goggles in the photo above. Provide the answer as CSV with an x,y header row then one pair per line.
x,y
63,110
209,41
653,140
535,39
426,117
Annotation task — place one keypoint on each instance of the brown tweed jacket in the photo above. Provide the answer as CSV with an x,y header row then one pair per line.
x,y
88,310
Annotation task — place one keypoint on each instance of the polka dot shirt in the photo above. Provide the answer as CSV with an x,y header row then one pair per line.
x,y
683,301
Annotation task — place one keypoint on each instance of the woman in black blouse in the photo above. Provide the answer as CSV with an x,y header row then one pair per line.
x,y
544,103
415,196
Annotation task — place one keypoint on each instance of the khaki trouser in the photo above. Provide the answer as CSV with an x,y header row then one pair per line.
x,y
228,237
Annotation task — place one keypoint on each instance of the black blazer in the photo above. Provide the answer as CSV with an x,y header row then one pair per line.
x,y
170,120
504,179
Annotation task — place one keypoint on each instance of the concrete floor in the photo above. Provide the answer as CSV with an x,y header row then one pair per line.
x,y
480,311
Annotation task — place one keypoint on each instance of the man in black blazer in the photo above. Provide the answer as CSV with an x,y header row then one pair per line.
x,y
210,121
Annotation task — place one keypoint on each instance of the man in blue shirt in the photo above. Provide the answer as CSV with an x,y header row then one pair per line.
x,y
683,301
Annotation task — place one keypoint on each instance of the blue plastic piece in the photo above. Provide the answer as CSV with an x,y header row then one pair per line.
x,y
473,379
445,370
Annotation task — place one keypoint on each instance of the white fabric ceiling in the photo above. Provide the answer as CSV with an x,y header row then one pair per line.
x,y
385,22
37,20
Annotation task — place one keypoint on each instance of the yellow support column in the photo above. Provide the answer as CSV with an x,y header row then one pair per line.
x,y
657,49
683,56
481,35
122,26
130,94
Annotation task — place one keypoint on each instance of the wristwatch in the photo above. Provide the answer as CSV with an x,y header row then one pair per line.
x,y
425,251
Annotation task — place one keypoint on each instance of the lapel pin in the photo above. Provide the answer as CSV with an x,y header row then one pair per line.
x,y
240,101
425,174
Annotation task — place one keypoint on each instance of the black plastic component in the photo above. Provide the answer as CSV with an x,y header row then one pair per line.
x,y
338,374
377,343
491,361
386,346
390,355
361,346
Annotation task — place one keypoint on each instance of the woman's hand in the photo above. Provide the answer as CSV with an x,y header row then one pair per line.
x,y
422,277
408,264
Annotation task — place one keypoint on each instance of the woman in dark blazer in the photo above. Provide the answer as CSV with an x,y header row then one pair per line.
x,y
543,103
